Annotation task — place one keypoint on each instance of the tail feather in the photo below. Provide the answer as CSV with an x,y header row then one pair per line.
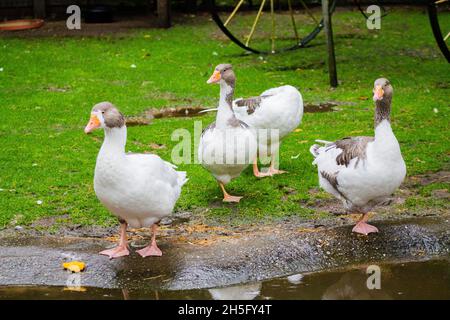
x,y
324,141
182,178
314,150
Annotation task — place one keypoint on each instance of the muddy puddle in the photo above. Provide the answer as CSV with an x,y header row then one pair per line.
x,y
320,107
154,113
194,111
413,280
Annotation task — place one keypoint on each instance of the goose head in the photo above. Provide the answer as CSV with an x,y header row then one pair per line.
x,y
223,73
382,89
104,115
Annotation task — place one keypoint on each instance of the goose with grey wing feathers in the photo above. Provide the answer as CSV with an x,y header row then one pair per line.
x,y
228,145
279,111
140,189
363,171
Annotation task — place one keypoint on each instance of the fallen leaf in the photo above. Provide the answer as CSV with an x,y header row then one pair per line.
x,y
74,266
298,130
76,289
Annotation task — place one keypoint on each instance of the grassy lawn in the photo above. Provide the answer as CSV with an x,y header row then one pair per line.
x,y
48,86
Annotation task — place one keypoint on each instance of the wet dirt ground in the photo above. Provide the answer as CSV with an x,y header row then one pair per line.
x,y
250,257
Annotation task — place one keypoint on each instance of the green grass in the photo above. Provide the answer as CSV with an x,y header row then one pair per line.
x,y
46,156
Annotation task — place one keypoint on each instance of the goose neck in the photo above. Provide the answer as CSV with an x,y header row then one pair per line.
x,y
115,140
225,111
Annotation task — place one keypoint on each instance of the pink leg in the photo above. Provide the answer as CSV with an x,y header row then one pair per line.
x,y
272,169
122,249
364,228
152,249
256,171
227,197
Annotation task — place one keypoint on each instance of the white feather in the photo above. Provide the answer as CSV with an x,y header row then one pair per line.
x,y
140,188
281,109
375,177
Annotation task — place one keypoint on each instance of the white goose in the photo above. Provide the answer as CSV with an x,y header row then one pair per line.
x,y
363,171
140,189
279,109
228,145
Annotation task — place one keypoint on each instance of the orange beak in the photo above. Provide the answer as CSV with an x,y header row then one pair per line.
x,y
93,124
214,78
378,93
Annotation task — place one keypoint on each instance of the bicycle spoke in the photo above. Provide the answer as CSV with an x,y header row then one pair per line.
x,y
293,20
264,34
447,36
440,1
309,12
273,26
255,22
234,12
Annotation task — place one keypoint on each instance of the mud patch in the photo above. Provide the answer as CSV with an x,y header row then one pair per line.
x,y
137,121
175,112
321,107
116,29
428,178
154,113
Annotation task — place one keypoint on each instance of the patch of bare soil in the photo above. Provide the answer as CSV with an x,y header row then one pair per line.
x,y
174,112
428,178
59,28
157,113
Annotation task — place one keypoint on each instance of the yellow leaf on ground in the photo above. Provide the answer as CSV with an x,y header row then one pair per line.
x,y
76,289
74,266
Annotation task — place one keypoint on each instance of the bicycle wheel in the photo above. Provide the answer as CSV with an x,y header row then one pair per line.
x,y
439,14
269,26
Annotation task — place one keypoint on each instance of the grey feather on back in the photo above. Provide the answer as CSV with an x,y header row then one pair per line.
x,y
332,179
234,122
210,127
352,147
251,103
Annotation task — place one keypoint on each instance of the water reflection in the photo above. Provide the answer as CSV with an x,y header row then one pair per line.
x,y
240,292
414,280
353,286
295,279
